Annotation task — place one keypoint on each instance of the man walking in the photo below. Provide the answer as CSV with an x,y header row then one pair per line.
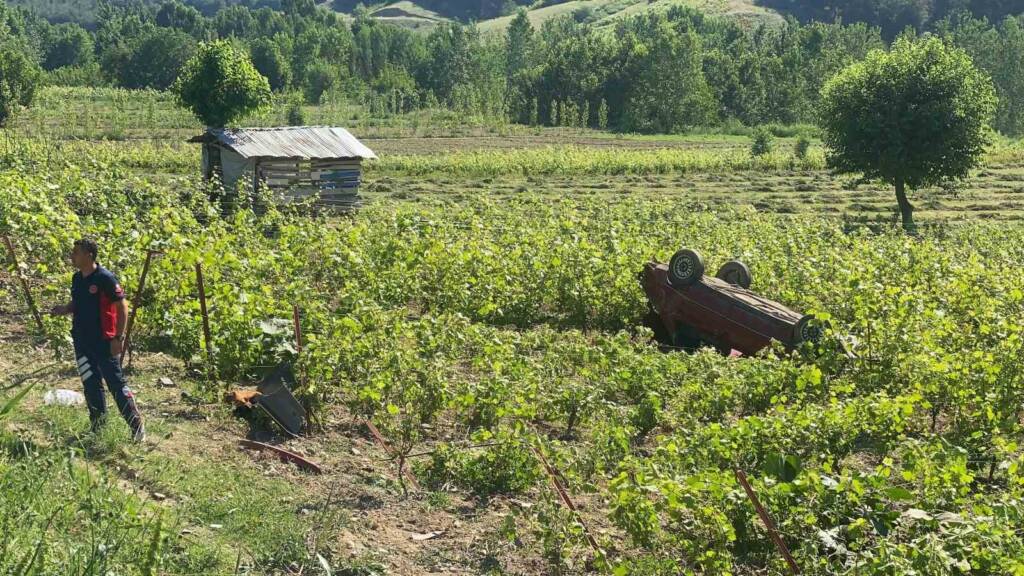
x,y
99,314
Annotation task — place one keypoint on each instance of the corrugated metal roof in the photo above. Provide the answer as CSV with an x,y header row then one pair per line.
x,y
308,142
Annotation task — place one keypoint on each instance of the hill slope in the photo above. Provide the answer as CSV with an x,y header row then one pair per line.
x,y
608,12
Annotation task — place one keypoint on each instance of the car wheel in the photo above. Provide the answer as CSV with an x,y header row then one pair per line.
x,y
736,273
685,268
807,329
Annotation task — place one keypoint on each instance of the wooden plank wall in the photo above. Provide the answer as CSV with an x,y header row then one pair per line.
x,y
336,181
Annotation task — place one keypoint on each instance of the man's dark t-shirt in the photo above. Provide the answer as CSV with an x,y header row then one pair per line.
x,y
93,299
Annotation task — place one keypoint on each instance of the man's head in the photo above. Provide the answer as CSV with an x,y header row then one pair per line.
x,y
83,254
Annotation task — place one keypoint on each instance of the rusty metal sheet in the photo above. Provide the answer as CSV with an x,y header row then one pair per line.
x,y
305,142
284,455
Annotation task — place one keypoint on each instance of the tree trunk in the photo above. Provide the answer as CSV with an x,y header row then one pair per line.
x,y
906,208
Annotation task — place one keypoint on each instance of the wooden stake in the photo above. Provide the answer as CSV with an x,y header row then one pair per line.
x,y
136,305
206,316
24,284
563,495
768,523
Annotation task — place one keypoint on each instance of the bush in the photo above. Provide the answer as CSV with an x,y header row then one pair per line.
x,y
296,117
506,468
763,142
800,149
90,75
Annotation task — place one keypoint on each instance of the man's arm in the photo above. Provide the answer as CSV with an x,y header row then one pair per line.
x,y
117,344
122,318
114,292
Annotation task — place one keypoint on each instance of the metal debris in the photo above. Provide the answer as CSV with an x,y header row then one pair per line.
x,y
284,455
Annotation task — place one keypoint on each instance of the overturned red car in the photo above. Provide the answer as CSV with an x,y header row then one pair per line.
x,y
689,310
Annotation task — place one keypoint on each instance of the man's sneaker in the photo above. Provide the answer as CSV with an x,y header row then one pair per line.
x,y
140,434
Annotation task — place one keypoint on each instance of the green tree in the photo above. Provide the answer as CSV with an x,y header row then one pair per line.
x,y
321,77
157,58
915,116
219,84
270,62
450,60
174,14
236,20
1009,77
19,77
574,65
67,45
117,34
670,92
998,50
518,44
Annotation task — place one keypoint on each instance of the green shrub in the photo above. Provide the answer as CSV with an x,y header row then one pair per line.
x,y
763,142
802,146
296,117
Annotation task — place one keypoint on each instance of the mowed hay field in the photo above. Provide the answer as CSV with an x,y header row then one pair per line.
x,y
436,157
483,312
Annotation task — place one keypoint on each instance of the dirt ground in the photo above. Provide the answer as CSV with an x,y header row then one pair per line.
x,y
355,512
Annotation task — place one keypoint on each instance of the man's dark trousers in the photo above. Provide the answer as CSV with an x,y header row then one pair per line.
x,y
96,364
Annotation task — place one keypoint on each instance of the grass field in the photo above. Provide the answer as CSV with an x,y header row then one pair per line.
x,y
482,309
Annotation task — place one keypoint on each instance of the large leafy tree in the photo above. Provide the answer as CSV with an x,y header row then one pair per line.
x,y
451,48
519,64
66,45
915,116
19,77
220,84
157,58
998,50
174,14
519,44
670,92
270,62
576,64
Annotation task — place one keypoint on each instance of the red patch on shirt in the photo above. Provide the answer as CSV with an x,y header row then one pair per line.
x,y
93,289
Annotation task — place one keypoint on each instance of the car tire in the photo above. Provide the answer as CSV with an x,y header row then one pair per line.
x,y
736,273
685,268
807,329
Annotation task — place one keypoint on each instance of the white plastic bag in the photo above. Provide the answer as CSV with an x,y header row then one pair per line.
x,y
62,397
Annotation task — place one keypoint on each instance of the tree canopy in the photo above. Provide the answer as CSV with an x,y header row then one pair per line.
x,y
917,115
655,71
19,77
220,84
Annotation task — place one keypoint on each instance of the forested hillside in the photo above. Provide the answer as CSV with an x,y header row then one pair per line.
x,y
893,16
653,72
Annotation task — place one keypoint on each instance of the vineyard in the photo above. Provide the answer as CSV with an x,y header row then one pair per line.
x,y
479,332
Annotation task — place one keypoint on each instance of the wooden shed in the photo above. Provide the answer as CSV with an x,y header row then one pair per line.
x,y
296,161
